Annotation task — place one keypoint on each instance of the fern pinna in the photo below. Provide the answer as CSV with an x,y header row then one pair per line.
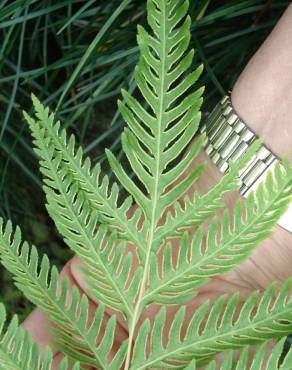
x,y
111,233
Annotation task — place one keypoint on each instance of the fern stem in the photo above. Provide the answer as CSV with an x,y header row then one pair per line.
x,y
136,314
140,301
156,194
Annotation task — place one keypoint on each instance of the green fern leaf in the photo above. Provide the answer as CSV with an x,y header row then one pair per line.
x,y
158,135
163,130
214,329
18,352
95,187
228,242
41,284
78,224
200,209
264,359
275,360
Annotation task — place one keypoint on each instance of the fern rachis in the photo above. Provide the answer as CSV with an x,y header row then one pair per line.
x,y
95,223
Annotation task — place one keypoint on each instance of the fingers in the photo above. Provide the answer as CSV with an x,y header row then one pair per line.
x,y
38,325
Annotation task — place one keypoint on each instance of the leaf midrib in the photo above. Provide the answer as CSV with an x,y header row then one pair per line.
x,y
154,199
204,205
52,299
83,231
231,238
93,189
188,347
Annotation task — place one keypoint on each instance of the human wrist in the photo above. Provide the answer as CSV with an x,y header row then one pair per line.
x,y
262,96
227,139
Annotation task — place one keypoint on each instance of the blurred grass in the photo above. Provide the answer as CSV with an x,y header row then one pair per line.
x,y
76,55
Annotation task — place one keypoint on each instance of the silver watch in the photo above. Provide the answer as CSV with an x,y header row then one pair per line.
x,y
227,138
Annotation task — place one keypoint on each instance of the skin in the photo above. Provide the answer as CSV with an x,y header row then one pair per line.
x,y
262,97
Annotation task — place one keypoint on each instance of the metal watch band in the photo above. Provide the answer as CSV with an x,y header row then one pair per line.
x,y
227,139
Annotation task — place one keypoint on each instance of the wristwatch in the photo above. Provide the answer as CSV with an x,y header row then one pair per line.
x,y
228,138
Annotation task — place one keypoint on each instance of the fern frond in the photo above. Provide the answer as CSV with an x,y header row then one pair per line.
x,y
16,345
108,263
157,135
109,273
96,224
227,243
194,212
263,359
213,329
100,196
162,131
18,352
69,311
276,360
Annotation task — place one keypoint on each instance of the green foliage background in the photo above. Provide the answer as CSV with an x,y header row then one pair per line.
x,y
76,55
